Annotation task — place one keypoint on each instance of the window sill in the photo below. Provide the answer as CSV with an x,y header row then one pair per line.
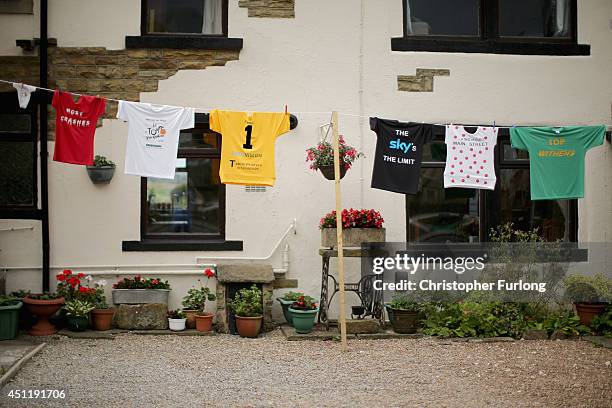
x,y
183,42
165,245
488,47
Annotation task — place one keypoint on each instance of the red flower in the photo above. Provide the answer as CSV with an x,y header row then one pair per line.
x,y
73,281
209,273
81,275
137,278
67,272
83,289
60,277
155,281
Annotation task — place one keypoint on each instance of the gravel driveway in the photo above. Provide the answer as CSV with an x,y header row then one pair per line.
x,y
226,371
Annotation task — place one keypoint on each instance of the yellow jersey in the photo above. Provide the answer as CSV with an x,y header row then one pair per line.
x,y
247,145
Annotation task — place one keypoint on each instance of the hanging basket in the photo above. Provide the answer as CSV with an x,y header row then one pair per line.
x,y
329,173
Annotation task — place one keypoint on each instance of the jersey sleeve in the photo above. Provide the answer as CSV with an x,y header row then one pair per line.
x,y
122,111
517,138
214,121
188,118
594,136
55,100
101,106
374,124
283,123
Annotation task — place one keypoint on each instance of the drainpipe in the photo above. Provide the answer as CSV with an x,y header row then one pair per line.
x,y
44,180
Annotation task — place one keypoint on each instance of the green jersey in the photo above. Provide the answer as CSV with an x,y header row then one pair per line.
x,y
556,157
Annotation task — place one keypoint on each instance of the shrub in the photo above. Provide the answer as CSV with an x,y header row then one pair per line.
x,y
8,300
588,289
565,322
602,324
20,294
405,302
78,308
247,302
196,298
101,161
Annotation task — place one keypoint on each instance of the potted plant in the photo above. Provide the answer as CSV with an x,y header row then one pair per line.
x,y
77,314
194,305
303,312
322,158
26,319
102,315
176,320
9,317
403,314
102,170
286,301
247,306
357,226
590,295
139,291
43,306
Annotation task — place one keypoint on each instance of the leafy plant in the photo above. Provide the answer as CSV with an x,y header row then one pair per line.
x,y
176,314
20,294
78,308
292,296
8,301
247,302
353,219
76,286
507,233
44,296
565,322
196,298
404,302
101,161
304,302
139,283
323,154
602,324
588,289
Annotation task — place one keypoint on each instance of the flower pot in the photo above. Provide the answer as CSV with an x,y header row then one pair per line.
x,y
329,172
587,311
303,320
102,318
351,237
248,326
77,323
285,306
190,315
176,324
43,309
404,321
203,323
9,321
140,296
100,175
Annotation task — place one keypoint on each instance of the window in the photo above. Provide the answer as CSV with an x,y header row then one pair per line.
x,y
204,17
18,155
545,27
437,214
186,213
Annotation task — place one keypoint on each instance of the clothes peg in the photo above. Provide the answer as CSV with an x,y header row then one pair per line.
x,y
285,109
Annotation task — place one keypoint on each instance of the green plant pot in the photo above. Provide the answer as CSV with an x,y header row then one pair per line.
x,y
77,323
303,320
285,305
9,321
404,321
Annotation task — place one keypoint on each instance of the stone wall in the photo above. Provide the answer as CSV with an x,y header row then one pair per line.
x,y
269,8
117,74
423,81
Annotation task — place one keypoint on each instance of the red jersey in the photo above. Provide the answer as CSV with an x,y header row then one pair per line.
x,y
75,125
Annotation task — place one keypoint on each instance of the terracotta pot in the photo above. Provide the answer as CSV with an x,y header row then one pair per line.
x,y
203,323
191,317
43,309
329,172
587,311
102,318
248,326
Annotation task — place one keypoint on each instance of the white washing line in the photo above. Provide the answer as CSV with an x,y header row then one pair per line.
x,y
155,269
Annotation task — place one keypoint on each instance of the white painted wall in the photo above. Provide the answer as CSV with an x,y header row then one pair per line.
x,y
312,63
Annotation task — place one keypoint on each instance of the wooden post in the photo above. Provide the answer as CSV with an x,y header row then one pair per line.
x,y
340,246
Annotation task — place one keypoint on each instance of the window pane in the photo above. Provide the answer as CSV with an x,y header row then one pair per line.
x,y
16,174
187,204
185,16
511,153
534,18
195,138
437,214
434,152
15,122
442,17
511,202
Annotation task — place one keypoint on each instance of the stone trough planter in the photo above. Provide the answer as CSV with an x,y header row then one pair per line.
x,y
351,237
140,296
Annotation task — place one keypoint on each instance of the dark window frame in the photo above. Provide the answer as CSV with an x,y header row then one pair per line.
x,y
488,41
145,32
484,196
9,105
186,241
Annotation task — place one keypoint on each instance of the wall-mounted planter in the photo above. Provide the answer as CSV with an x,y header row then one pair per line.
x,y
352,237
100,175
140,296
